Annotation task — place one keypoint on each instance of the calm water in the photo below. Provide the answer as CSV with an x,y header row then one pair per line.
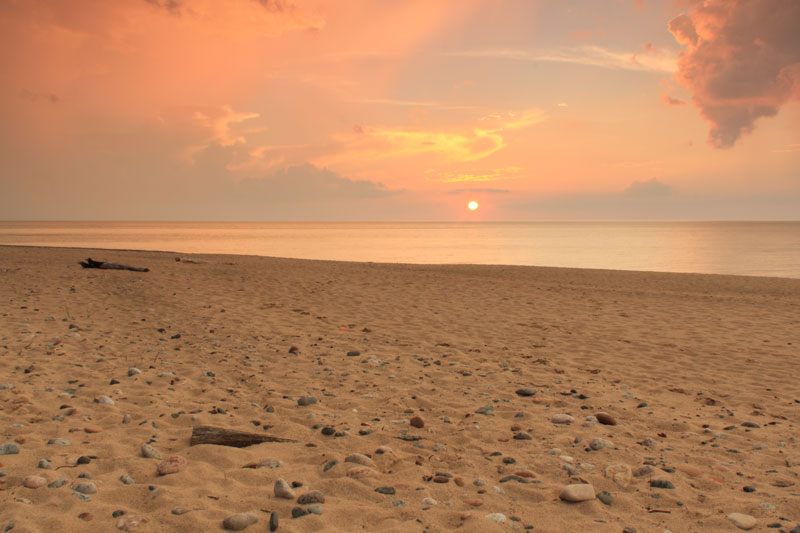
x,y
747,248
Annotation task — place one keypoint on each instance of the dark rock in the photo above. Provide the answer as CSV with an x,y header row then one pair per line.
x,y
661,484
297,512
605,497
385,490
527,391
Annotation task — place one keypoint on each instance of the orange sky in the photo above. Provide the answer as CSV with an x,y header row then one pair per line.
x,y
399,110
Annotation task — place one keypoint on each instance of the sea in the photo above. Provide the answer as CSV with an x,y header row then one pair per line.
x,y
739,248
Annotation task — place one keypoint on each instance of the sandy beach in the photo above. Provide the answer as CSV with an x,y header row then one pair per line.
x,y
418,398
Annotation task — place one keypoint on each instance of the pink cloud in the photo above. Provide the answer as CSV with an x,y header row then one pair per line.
x,y
670,101
741,62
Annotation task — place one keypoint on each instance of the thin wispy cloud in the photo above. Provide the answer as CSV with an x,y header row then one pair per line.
x,y
595,56
409,103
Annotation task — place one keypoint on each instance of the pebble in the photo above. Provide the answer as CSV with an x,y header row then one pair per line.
x,y
600,443
579,492
283,490
562,419
353,353
44,464
105,400
522,435
306,401
9,449
330,465
385,490
473,502
130,523
496,517
180,510
273,521
34,482
742,521
315,509
86,517
605,497
57,484
527,391
297,512
171,465
606,419
314,496
6,386
133,371
58,442
429,501
620,473
360,459
126,419
485,410
642,470
126,480
85,487
239,521
417,422
661,484
150,452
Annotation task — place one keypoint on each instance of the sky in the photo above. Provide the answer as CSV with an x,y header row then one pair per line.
x,y
399,110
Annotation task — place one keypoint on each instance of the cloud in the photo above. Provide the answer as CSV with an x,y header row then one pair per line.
x,y
474,175
173,7
670,101
595,56
32,96
647,188
369,144
476,191
789,148
741,62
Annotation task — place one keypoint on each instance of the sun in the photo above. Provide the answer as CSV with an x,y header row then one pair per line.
x,y
473,205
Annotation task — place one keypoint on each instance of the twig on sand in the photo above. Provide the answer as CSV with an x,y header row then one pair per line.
x,y
229,437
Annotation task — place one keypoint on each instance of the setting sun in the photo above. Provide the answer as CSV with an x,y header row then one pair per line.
x,y
473,205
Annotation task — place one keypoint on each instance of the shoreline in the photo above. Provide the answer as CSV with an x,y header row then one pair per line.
x,y
477,265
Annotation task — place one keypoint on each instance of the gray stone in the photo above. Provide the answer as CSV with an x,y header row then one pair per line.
x,y
562,419
314,496
486,410
527,391
605,497
133,371
150,452
85,487
315,509
105,400
600,443
9,449
44,464
126,480
239,521
306,400
283,490
57,484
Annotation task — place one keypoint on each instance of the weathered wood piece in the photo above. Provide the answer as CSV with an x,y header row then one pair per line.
x,y
229,437
91,263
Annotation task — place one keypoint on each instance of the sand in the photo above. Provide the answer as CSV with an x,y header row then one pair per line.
x,y
679,361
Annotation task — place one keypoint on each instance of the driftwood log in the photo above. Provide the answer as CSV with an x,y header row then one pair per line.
x,y
91,263
229,437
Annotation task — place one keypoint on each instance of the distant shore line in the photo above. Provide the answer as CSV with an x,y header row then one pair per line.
x,y
486,266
